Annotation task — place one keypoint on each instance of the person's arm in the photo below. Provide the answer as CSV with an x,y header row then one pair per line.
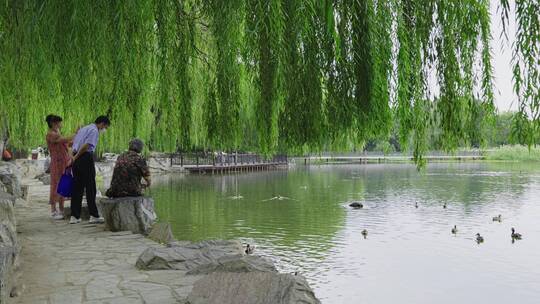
x,y
81,151
89,142
145,172
148,180
72,137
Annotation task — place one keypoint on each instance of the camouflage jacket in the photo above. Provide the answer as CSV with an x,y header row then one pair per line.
x,y
126,181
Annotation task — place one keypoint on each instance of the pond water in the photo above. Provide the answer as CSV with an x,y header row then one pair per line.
x,y
299,218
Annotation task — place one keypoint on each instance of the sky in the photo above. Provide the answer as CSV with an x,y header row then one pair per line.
x,y
505,99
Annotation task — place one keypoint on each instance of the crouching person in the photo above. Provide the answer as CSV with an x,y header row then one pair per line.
x,y
128,172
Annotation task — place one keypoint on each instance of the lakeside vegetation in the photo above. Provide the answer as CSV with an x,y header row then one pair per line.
x,y
501,130
498,142
514,153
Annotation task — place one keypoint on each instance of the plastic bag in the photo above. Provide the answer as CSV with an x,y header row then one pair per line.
x,y
65,186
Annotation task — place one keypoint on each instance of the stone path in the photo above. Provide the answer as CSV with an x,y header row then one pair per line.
x,y
82,263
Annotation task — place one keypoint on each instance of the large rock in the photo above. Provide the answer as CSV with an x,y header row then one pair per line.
x,y
7,219
159,163
161,233
229,276
251,288
188,257
10,179
9,247
235,263
45,178
135,214
30,168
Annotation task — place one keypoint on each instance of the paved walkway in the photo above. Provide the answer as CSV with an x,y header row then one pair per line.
x,y
82,263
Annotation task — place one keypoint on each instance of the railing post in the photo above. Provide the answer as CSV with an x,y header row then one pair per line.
x,y
181,160
197,160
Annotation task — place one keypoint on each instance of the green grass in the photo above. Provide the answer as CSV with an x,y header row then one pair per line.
x,y
514,153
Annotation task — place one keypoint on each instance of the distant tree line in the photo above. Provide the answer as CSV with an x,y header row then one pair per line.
x,y
501,130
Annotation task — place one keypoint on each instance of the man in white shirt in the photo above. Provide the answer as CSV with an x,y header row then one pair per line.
x,y
84,170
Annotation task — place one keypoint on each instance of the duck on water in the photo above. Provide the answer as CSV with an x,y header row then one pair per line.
x,y
356,205
514,235
479,238
364,233
249,249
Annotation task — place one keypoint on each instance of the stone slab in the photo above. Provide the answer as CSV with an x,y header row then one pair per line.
x,y
251,288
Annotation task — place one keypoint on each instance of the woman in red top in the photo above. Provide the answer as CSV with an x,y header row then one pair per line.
x,y
60,160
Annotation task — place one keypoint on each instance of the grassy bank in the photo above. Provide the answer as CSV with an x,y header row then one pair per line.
x,y
514,153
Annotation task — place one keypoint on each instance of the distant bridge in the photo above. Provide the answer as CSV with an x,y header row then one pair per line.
x,y
224,163
215,163
379,158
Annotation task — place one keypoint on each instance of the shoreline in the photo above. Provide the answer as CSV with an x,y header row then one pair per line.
x,y
84,263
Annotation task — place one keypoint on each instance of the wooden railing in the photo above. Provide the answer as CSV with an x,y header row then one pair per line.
x,y
223,160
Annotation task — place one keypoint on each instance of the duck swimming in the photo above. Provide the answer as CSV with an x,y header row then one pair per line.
x,y
444,206
479,238
497,218
416,204
454,230
249,249
515,236
364,233
356,205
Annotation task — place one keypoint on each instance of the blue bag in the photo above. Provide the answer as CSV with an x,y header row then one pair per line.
x,y
65,186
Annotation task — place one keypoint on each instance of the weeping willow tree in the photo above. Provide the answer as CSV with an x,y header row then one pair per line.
x,y
274,75
526,66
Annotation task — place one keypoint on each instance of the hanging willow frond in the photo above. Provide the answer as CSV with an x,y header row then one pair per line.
x,y
526,69
301,120
264,31
273,75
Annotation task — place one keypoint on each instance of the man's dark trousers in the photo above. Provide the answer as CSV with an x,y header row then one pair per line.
x,y
84,178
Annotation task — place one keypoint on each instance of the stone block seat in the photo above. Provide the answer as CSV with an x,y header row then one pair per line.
x,y
135,214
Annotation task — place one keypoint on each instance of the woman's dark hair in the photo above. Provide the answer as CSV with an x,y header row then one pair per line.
x,y
103,119
51,119
136,145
